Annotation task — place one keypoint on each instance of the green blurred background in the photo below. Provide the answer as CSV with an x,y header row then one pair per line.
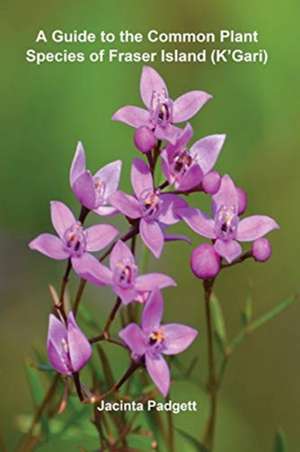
x,y
45,110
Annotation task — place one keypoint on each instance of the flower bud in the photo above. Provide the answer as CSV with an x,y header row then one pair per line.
x,y
211,182
144,139
205,262
243,200
261,249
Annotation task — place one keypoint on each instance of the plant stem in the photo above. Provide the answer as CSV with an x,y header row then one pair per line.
x,y
65,279
115,387
239,260
171,445
78,386
212,383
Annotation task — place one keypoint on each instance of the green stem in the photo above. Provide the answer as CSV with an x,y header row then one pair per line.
x,y
212,381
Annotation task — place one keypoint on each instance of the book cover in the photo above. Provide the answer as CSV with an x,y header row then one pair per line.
x,y
149,220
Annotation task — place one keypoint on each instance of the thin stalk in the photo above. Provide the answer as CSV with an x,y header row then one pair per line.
x,y
212,381
115,387
77,383
171,445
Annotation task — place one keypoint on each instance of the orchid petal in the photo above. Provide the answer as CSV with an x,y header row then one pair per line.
x,y
198,222
80,349
57,360
151,82
153,281
78,163
57,335
62,217
90,269
230,250
254,227
50,246
227,195
153,312
105,211
126,204
109,175
159,372
99,236
141,178
177,338
126,295
169,208
191,179
84,190
207,151
189,104
120,252
134,338
57,331
169,133
132,116
152,236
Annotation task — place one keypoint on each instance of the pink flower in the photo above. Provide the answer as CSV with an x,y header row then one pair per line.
x,y
186,168
226,228
155,210
123,275
162,112
73,242
153,339
94,192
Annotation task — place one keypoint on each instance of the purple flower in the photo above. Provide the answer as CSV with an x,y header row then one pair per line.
x,y
186,168
123,275
93,192
68,348
155,210
152,340
226,227
73,242
162,112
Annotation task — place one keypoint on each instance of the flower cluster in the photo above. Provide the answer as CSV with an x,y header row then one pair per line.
x,y
150,211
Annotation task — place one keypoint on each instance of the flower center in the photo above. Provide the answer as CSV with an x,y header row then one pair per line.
x,y
161,109
226,222
100,191
156,341
125,274
75,240
181,163
150,202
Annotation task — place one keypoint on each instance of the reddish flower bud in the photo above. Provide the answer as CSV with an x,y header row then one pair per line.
x,y
261,249
211,182
205,262
144,139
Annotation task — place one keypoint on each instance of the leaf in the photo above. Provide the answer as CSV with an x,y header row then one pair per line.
x,y
247,313
193,441
271,314
255,324
280,442
218,319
